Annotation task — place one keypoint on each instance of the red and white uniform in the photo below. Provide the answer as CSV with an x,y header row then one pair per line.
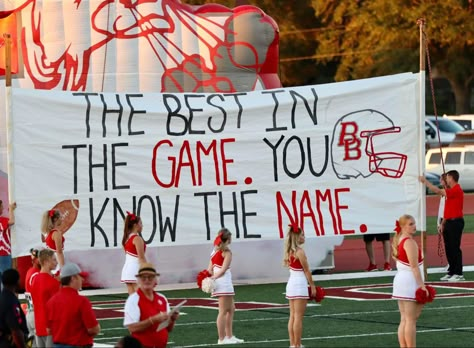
x,y
69,316
44,286
224,286
131,265
404,283
50,241
137,308
297,285
5,245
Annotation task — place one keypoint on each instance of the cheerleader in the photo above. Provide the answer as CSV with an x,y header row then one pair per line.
x,y
298,282
408,279
134,247
219,267
53,236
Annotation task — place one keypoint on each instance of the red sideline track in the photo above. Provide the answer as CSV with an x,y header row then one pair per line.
x,y
351,255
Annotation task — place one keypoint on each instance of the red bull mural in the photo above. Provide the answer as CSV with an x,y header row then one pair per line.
x,y
141,45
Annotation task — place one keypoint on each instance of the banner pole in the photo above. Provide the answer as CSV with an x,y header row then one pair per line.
x,y
8,59
8,91
422,139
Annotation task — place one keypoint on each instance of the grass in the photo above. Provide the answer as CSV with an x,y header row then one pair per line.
x,y
337,322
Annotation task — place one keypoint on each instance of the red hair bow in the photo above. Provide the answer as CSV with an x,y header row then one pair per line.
x,y
294,227
132,216
218,239
51,213
397,228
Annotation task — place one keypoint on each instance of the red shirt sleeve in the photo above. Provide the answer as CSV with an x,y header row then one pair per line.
x,y
88,316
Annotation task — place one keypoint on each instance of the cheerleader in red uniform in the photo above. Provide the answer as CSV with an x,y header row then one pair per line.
x,y
219,267
298,282
134,247
408,279
52,235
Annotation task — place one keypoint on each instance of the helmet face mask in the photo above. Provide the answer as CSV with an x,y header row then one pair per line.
x,y
351,158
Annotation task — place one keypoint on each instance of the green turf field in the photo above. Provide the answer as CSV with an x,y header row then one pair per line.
x,y
344,319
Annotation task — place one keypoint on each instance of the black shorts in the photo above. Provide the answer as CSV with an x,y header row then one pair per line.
x,y
380,237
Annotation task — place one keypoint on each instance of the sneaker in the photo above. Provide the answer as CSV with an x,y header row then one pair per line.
x,y
446,277
225,340
371,268
456,278
387,266
233,339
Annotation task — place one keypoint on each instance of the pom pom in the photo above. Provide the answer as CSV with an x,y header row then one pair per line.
x,y
320,294
201,276
208,285
422,297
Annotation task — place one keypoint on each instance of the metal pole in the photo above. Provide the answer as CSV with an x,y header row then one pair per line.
x,y
422,139
8,59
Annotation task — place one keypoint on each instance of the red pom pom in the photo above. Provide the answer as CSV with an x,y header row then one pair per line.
x,y
201,276
320,294
423,297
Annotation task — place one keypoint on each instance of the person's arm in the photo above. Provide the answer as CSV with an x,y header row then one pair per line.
x,y
88,318
11,219
301,255
173,319
412,253
209,267
225,264
12,321
18,338
94,331
140,246
433,188
58,241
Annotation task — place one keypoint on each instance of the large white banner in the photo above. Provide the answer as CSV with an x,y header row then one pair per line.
x,y
338,159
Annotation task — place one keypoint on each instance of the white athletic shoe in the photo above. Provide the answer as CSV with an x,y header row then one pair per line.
x,y
456,278
234,339
225,340
445,277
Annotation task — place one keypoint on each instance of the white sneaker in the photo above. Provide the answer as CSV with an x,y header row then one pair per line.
x,y
446,277
234,339
456,278
225,340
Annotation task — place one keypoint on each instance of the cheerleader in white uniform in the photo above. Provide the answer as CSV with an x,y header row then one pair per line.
x,y
134,247
299,281
408,279
219,267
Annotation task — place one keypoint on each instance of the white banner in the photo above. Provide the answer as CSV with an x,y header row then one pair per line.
x,y
338,159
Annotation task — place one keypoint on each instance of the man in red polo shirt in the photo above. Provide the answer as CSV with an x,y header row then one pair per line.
x,y
453,223
146,309
71,320
43,287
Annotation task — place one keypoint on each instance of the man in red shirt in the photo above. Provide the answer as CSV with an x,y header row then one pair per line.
x,y
145,310
453,223
5,246
44,286
71,320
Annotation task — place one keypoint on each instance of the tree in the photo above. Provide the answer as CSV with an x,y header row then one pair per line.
x,y
378,37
